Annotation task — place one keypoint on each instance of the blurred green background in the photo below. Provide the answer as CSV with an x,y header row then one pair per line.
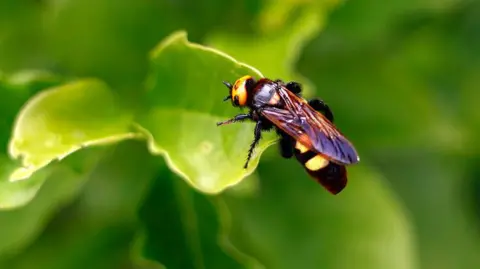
x,y
402,78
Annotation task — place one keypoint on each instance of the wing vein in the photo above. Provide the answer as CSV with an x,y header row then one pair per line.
x,y
311,128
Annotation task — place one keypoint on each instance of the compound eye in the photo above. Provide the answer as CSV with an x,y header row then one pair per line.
x,y
235,100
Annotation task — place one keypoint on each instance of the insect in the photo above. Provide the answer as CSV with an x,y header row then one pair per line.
x,y
305,128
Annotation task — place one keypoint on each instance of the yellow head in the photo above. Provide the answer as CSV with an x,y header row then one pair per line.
x,y
240,90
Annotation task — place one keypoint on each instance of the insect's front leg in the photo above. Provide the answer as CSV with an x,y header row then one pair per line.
x,y
237,118
258,136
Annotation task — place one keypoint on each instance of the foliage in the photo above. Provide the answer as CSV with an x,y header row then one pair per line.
x,y
111,157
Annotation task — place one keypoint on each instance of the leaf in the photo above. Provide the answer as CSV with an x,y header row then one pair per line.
x,y
276,15
62,120
370,22
136,253
181,227
20,31
292,222
16,89
18,193
49,190
31,81
126,32
93,230
184,102
275,52
448,179
23,224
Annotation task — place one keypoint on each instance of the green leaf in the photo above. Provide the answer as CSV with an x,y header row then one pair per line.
x,y
184,102
370,22
136,252
49,190
181,227
20,31
451,180
16,89
292,222
62,120
96,228
126,32
276,51
17,193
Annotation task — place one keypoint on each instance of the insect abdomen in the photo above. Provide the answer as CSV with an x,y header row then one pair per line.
x,y
330,175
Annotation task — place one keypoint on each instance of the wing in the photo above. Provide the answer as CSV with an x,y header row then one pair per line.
x,y
311,128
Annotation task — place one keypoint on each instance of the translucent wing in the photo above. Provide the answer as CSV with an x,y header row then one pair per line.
x,y
311,128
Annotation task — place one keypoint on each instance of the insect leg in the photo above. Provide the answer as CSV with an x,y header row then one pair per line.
x,y
258,135
286,144
320,106
294,87
239,117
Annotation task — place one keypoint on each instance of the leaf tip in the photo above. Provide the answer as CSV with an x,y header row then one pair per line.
x,y
181,37
177,36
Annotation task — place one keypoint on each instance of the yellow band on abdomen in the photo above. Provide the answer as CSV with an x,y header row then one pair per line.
x,y
316,163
